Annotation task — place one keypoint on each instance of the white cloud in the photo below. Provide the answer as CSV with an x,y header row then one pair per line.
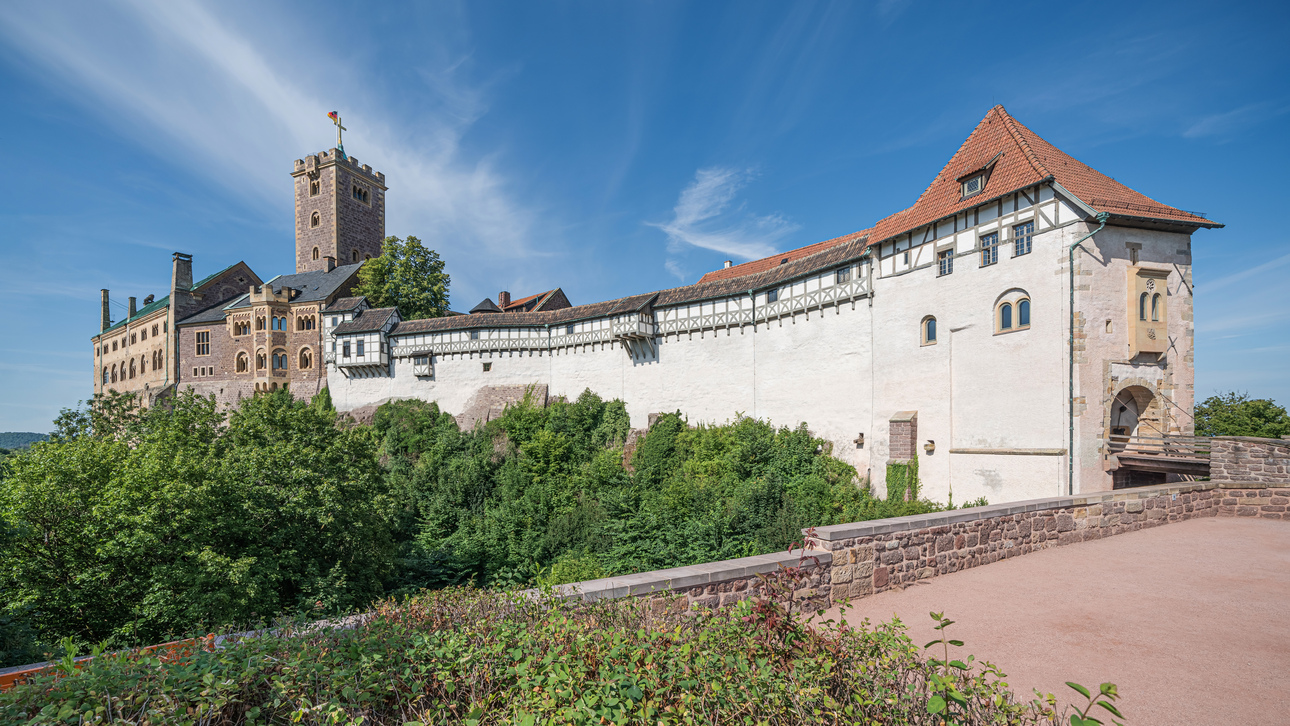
x,y
703,218
1235,277
1224,124
190,85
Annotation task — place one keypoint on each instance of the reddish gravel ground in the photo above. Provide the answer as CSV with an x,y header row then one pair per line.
x,y
1191,620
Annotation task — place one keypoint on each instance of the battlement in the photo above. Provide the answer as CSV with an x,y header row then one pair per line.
x,y
332,157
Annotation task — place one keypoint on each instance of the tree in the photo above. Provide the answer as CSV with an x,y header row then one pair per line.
x,y
1236,414
407,276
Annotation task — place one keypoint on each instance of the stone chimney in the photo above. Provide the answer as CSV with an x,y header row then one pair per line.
x,y
331,263
134,309
727,265
503,299
181,285
105,321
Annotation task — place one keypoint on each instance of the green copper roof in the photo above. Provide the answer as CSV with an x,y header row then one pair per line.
x,y
163,302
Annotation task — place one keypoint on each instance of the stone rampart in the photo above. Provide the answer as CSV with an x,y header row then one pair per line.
x,y
849,561
1243,458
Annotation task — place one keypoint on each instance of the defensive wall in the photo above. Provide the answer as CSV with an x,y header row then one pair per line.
x,y
848,561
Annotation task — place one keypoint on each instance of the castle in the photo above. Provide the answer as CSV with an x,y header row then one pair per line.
x,y
1009,330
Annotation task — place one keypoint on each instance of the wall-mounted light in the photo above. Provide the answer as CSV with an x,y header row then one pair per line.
x,y
859,441
930,446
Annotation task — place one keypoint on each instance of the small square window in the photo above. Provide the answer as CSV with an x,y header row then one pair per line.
x,y
772,296
974,185
843,275
945,262
488,366
474,335
569,329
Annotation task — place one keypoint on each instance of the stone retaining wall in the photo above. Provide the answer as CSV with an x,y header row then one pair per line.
x,y
848,561
1242,458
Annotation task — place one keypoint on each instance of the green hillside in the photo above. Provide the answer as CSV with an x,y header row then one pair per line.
x,y
20,439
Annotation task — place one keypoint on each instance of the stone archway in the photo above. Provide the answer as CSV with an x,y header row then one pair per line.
x,y
1134,411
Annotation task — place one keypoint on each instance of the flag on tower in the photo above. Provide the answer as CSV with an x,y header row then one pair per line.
x,y
333,116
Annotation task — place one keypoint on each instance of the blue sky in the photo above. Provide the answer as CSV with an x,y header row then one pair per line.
x,y
606,148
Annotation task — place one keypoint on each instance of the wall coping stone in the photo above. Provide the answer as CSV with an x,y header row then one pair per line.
x,y
835,532
1012,452
1253,439
678,578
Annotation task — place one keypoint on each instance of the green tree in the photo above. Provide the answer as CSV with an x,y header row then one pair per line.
x,y
1236,414
197,520
408,276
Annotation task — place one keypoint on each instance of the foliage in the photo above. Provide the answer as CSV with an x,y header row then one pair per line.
x,y
1236,414
544,491
132,525
407,276
902,480
465,656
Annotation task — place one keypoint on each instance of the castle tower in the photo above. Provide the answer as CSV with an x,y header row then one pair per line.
x,y
340,211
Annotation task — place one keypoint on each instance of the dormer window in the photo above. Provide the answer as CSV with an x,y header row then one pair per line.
x,y
973,185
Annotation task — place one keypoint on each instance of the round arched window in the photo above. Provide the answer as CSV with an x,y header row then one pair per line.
x,y
929,330
315,253
315,219
306,359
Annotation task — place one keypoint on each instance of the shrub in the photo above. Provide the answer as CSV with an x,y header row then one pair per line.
x,y
465,656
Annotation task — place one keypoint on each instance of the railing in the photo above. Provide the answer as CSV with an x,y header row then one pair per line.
x,y
1178,447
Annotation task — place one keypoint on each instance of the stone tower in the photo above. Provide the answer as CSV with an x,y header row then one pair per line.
x,y
340,211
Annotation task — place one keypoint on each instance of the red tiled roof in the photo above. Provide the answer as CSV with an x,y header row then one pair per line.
x,y
767,263
517,304
1015,158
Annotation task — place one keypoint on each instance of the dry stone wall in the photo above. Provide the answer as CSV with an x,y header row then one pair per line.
x,y
1242,458
848,561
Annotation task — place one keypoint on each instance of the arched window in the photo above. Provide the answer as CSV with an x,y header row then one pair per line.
x,y
1142,307
356,255
279,361
133,339
260,361
154,331
143,364
114,373
1005,316
929,330
306,359
105,375
315,220
315,253
1155,307
1023,313
242,363
131,368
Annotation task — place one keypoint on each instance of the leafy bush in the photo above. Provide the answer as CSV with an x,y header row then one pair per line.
x,y
465,656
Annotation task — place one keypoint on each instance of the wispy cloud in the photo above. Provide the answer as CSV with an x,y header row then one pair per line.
x,y
1230,122
1236,277
191,85
706,216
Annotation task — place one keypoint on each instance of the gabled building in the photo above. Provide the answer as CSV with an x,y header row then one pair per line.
x,y
1008,330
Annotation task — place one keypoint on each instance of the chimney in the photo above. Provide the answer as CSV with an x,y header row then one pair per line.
x,y
503,299
181,284
331,263
728,263
134,309
106,320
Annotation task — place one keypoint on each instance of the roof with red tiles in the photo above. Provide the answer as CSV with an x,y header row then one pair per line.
x,y
1012,158
549,300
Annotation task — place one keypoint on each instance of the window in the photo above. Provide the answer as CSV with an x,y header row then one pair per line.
x,y
1142,307
906,257
131,368
154,331
474,335
105,374
1005,317
356,255
203,342
143,364
568,329
306,359
488,366
314,188
929,330
259,322
133,339
974,185
772,296
242,363
989,249
315,253
359,351
143,334
843,275
333,321
1023,313
1155,308
194,372
361,194
260,361
165,327
315,220
1012,312
344,349
279,361
945,262
114,345
1021,238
